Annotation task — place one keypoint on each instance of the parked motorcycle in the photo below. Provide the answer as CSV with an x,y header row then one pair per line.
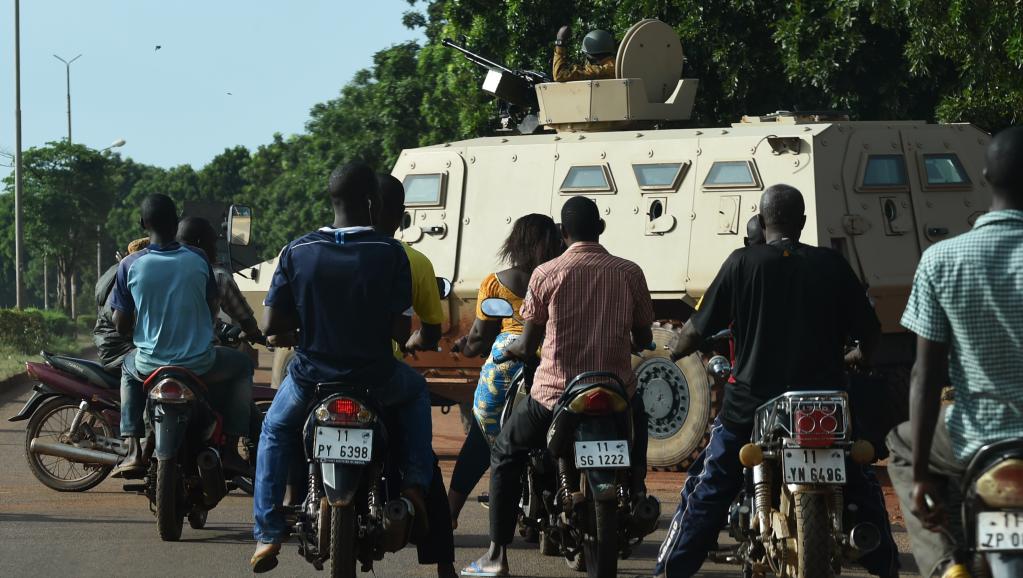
x,y
577,493
992,512
349,514
791,519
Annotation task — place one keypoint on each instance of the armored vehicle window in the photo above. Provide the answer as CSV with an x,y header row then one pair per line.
x,y
945,170
660,176
423,190
590,179
885,172
732,175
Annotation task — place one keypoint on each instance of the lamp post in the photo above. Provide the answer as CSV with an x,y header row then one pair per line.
x,y
18,289
99,243
67,69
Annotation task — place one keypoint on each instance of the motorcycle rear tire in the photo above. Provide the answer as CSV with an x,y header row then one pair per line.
x,y
35,425
813,532
169,518
601,554
342,542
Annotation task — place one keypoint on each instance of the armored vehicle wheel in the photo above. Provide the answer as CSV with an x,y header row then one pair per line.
x,y
282,357
680,401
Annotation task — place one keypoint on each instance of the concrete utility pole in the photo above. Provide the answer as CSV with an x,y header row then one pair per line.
x,y
18,237
67,68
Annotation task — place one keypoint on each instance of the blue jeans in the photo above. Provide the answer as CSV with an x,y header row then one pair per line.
x,y
405,392
716,478
229,386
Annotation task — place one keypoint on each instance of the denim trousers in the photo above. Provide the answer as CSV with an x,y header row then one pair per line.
x,y
713,482
405,393
229,386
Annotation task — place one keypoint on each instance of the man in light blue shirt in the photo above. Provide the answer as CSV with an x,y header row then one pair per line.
x,y
965,310
165,297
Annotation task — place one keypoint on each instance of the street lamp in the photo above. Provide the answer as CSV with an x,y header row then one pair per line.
x,y
99,243
67,68
116,144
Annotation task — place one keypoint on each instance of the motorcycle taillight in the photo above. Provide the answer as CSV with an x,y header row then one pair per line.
x,y
343,411
817,427
1002,485
171,391
598,401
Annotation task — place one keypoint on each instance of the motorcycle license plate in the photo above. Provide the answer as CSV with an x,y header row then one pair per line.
x,y
1000,531
343,445
602,455
805,466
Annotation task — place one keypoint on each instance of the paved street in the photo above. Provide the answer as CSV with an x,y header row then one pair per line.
x,y
105,532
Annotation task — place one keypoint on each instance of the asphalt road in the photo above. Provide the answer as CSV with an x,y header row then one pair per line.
x,y
106,532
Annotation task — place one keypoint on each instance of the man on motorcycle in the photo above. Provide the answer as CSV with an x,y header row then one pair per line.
x,y
590,310
111,346
347,289
793,307
165,298
965,311
438,547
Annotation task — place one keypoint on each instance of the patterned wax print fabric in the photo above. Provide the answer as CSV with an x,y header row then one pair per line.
x,y
492,388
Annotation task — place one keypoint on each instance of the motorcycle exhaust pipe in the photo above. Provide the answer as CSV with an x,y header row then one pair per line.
x,y
73,453
398,518
211,475
864,538
645,516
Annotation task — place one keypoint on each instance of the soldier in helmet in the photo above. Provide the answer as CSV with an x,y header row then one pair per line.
x,y
598,48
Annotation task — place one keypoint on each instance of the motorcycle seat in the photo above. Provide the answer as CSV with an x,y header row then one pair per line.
x,y
90,371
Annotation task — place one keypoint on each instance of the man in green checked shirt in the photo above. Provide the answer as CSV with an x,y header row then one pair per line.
x,y
966,309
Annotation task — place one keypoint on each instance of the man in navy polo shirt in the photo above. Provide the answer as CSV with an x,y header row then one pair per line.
x,y
165,297
348,291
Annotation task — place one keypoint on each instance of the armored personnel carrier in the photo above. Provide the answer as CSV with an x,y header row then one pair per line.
x,y
676,202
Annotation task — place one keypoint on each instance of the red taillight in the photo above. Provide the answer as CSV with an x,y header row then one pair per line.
x,y
816,427
598,401
1002,485
171,391
344,408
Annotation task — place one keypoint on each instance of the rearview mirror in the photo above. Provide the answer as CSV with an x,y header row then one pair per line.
x,y
443,287
239,225
497,308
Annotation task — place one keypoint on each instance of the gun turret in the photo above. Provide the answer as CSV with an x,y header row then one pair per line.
x,y
513,86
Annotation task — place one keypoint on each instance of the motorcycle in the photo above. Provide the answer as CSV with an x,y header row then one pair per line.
x,y
790,518
992,512
350,512
577,492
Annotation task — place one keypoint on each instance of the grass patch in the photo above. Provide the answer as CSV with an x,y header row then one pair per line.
x,y
12,361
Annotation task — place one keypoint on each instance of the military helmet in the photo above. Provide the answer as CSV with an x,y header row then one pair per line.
x,y
598,43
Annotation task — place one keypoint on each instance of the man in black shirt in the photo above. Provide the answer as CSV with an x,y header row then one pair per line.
x,y
792,307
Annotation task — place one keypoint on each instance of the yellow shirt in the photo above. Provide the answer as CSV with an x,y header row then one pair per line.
x,y
492,287
425,296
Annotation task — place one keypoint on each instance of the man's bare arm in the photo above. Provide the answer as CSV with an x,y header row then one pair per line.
x,y
525,347
277,322
929,376
688,342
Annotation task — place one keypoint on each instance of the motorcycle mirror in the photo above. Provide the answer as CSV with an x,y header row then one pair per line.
x,y
443,287
239,225
497,308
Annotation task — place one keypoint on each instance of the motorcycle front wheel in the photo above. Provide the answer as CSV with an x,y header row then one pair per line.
x,y
342,542
169,518
51,423
601,553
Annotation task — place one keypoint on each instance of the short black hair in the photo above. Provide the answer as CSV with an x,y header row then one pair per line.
x,y
352,184
392,193
196,231
782,205
754,232
159,214
581,219
1005,162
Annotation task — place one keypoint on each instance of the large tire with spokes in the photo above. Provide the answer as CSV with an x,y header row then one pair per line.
x,y
815,542
680,399
50,423
342,542
601,553
169,517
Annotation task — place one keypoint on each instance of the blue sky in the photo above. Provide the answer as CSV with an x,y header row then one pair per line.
x,y
276,58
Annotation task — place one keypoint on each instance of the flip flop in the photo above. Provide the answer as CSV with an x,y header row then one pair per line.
x,y
475,570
